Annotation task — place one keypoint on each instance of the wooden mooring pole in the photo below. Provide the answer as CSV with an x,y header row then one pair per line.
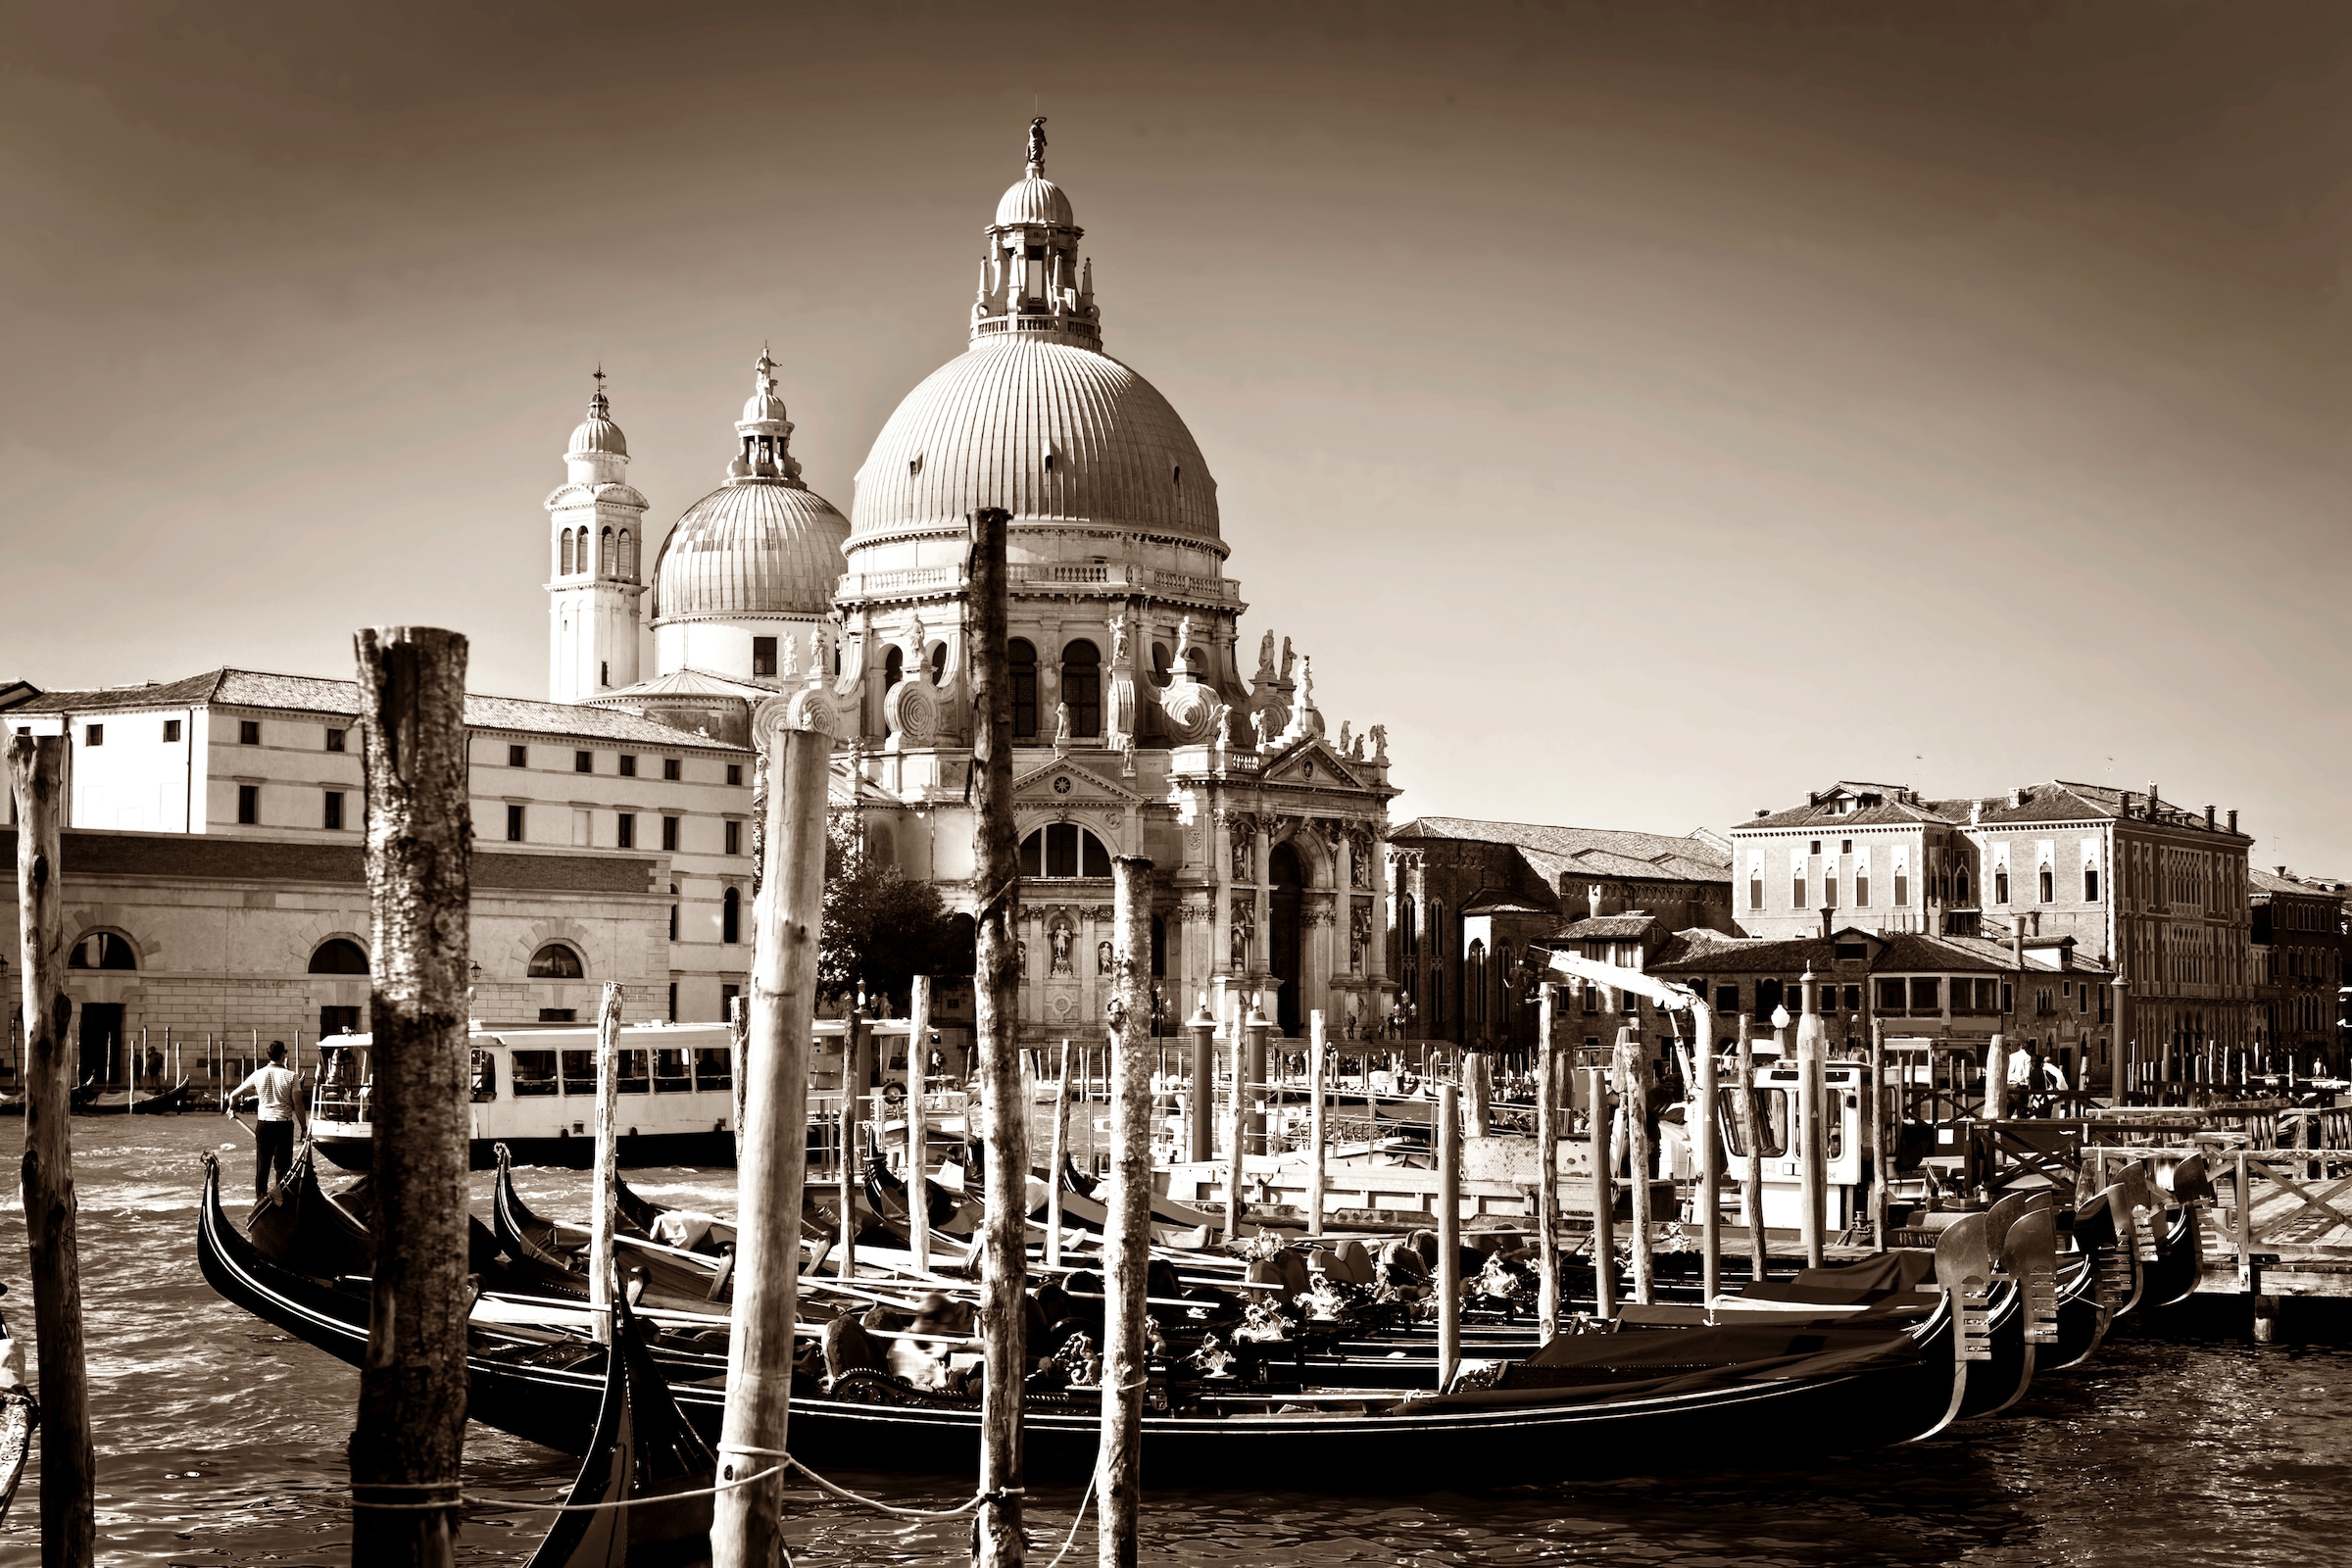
x,y
410,1442
1317,1056
1059,1151
1604,1195
919,1137
1812,1046
1751,1138
1127,1234
746,1522
1005,1115
69,1460
603,1192
1708,1144
1873,1104
1547,1166
1449,1235
1633,1075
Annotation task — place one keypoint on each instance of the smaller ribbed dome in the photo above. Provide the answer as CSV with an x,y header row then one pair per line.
x,y
764,407
596,433
1035,200
752,547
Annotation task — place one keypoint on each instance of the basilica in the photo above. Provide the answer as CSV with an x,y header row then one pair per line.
x,y
1146,720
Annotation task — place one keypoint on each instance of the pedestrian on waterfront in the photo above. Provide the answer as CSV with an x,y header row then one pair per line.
x,y
277,1107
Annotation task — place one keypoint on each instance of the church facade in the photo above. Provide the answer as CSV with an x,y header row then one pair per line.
x,y
1145,720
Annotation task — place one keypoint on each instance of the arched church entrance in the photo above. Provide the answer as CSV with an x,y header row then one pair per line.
x,y
1284,881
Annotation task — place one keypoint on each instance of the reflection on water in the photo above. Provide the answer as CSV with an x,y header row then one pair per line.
x,y
219,1441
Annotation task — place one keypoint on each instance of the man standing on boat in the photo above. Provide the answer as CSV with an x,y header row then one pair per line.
x,y
278,1102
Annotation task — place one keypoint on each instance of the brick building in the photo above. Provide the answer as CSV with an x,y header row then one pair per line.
x,y
1470,898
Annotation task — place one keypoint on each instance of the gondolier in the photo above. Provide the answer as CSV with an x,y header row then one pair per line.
x,y
277,1107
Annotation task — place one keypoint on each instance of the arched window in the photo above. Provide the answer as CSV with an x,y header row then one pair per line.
x,y
102,950
2048,888
604,554
628,556
1022,657
339,956
1796,889
894,666
556,962
565,558
1082,687
1829,885
1407,931
939,664
1861,888
1755,886
1960,886
1160,657
730,915
1063,849
1474,987
2000,885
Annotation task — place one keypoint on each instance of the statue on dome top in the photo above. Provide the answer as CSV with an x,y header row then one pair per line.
x,y
1037,145
1286,656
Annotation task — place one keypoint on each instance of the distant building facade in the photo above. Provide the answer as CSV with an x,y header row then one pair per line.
x,y
2145,889
2298,954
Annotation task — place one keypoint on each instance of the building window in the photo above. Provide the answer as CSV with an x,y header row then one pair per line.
x,y
1768,998
1853,998
726,1000
670,770
564,553
939,664
1474,985
894,666
1902,891
171,730
1926,995
583,761
1891,995
513,824
334,818
1960,886
102,950
1755,890
2000,886
669,833
558,1016
673,915
604,554
673,1002
556,962
1796,892
249,732
763,655
249,804
334,739
1816,848
628,765
2008,997
1408,930
625,830
2046,885
1726,1000
735,773
628,556
1063,849
1022,657
93,734
1082,687
730,915
734,843
1829,888
519,756
1861,890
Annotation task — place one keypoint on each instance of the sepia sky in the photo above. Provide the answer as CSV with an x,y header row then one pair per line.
x,y
1648,412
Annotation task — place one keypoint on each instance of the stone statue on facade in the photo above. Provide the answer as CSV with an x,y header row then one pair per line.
x,y
1061,728
1359,935
1343,737
1244,852
1286,656
1265,657
1062,936
1380,743
1102,958
1242,916
1118,640
788,663
1268,726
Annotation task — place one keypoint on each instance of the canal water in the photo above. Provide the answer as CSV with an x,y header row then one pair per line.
x,y
219,1441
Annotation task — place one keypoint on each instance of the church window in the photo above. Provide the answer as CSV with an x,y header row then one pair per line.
x,y
1160,664
939,664
763,655
2000,885
730,913
1022,657
556,962
1082,687
1176,476
894,668
2048,888
1474,985
628,556
339,956
914,465
1049,461
1408,933
565,560
102,950
604,554
1063,850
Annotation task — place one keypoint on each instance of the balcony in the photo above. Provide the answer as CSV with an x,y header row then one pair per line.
x,y
1108,579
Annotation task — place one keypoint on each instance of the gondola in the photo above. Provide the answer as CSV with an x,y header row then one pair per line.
x,y
299,1224
643,1448
1573,1411
128,1101
539,1261
20,1413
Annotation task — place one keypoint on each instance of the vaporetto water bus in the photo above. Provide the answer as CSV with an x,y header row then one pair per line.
x,y
534,1090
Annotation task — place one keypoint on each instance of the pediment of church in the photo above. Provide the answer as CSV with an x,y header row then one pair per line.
x,y
1064,782
1311,763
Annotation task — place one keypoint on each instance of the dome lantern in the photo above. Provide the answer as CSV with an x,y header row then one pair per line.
x,y
1033,282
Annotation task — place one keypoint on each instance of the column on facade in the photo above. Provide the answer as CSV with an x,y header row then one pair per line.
x,y
1261,947
1220,853
1376,952
1343,882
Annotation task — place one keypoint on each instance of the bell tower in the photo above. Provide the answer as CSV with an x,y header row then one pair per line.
x,y
595,536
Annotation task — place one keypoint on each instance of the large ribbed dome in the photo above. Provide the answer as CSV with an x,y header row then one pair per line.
x,y
1049,431
752,546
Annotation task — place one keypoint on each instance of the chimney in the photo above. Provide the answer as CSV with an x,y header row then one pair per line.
x,y
2123,809
2035,915
1763,810
2017,945
2234,820
2153,797
1826,912
1593,897
2281,870
1976,813
2016,797
2208,816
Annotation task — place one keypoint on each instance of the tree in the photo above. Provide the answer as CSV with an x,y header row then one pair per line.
x,y
881,929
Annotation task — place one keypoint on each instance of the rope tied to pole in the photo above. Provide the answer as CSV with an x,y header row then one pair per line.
x,y
458,1498
961,1510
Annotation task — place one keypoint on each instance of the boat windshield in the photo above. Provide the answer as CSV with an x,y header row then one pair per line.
x,y
634,1078
671,1074
712,1067
534,1073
